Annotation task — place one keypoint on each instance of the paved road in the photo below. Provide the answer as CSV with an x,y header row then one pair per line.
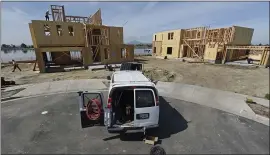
x,y
185,128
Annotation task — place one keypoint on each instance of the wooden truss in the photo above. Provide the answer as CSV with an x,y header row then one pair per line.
x,y
195,39
77,19
96,40
220,36
58,13
253,50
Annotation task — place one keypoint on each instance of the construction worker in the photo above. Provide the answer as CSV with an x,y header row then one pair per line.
x,y
47,15
15,65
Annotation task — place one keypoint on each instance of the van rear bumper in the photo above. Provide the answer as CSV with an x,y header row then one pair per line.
x,y
135,129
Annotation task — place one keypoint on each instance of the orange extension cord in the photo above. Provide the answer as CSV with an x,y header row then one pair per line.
x,y
93,109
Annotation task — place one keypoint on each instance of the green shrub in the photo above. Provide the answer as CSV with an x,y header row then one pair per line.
x,y
248,100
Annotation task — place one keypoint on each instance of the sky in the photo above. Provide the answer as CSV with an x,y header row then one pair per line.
x,y
141,19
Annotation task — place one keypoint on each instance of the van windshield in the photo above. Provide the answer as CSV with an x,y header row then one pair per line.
x,y
144,98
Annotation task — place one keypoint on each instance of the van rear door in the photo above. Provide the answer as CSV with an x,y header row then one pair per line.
x,y
92,109
146,109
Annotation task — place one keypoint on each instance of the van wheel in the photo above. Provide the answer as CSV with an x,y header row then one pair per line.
x,y
111,131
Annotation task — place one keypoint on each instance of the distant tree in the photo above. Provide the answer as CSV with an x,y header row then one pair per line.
x,y
24,51
23,45
3,46
260,44
6,51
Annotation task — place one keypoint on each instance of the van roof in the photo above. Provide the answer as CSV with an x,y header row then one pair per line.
x,y
130,78
126,76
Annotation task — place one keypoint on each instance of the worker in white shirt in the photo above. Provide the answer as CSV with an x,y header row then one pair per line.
x,y
47,15
15,65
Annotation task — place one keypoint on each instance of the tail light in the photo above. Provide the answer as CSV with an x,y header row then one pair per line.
x,y
109,104
157,101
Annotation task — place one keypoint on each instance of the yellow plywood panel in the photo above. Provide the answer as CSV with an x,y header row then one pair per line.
x,y
163,41
40,61
87,56
255,57
175,51
157,48
163,36
210,52
42,40
242,35
33,35
130,52
116,35
105,57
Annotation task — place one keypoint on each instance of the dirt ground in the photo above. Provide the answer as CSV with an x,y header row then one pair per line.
x,y
260,109
245,80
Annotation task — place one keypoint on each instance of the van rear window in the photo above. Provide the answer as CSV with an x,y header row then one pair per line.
x,y
144,98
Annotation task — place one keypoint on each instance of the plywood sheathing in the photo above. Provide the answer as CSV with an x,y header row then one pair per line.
x,y
33,35
40,61
54,40
95,19
87,56
241,36
157,48
130,52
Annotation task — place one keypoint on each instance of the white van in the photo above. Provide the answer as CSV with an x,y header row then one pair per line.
x,y
132,104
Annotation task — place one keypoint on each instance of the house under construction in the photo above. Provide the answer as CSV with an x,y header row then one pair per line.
x,y
214,45
77,41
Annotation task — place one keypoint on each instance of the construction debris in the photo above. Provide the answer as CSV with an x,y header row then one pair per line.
x,y
150,140
158,74
6,83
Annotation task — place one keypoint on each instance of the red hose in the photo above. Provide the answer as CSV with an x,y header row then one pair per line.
x,y
93,109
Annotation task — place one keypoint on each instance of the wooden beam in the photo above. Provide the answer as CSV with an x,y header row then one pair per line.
x,y
191,49
60,49
249,47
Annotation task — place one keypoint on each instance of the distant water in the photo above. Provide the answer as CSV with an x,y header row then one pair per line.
x,y
21,55
142,51
17,55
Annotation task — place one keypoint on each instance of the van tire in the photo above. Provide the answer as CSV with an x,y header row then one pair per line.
x,y
114,132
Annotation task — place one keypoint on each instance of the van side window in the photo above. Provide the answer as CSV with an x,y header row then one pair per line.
x,y
144,98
